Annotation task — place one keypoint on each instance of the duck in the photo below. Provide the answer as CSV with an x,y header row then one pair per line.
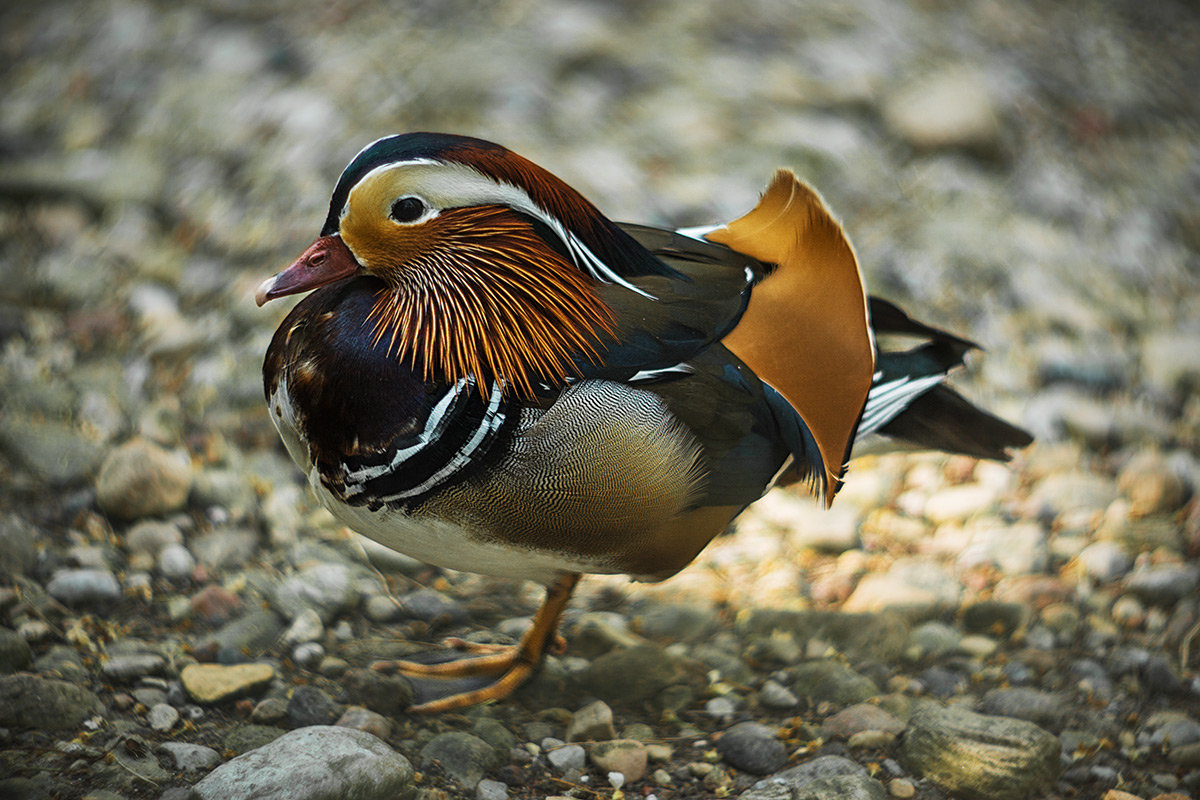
x,y
488,374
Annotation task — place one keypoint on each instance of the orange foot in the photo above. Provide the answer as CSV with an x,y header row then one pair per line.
x,y
513,665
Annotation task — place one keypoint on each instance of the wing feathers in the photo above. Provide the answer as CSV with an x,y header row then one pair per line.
x,y
805,331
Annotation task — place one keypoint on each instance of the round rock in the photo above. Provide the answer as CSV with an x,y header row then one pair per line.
x,y
861,717
752,747
191,757
567,758
593,722
327,589
76,587
464,757
140,479
626,756
309,705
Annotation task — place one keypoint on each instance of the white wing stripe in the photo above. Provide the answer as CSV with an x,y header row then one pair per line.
x,y
886,400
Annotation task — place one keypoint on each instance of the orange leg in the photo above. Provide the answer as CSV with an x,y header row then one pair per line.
x,y
512,665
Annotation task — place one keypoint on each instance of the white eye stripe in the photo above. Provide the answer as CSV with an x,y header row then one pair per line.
x,y
449,185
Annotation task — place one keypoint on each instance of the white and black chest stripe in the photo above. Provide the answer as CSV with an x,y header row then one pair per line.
x,y
454,440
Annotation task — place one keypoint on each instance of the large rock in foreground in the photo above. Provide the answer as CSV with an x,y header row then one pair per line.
x,y
980,757
316,763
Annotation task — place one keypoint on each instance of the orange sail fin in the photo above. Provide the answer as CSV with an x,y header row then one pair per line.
x,y
806,330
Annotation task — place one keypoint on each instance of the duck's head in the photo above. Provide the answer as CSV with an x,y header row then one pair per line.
x,y
489,264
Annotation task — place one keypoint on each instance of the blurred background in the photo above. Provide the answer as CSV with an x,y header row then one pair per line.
x,y
1026,174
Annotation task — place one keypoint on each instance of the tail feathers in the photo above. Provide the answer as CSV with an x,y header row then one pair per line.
x,y
888,318
942,419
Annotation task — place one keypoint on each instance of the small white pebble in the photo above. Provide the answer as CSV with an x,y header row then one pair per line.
x,y
616,779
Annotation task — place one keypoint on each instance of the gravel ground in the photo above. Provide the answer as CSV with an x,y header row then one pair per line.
x,y
178,619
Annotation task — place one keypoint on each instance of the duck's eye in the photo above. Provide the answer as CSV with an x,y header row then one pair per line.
x,y
407,209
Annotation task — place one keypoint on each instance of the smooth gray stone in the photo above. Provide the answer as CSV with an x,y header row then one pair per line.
x,y
315,763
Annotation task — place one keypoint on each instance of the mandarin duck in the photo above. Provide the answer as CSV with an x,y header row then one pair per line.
x,y
492,376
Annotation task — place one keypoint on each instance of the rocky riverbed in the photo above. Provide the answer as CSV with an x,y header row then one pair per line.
x,y
178,619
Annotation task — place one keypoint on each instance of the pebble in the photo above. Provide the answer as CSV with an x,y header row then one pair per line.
x,y
824,776
833,682
491,790
776,696
631,675
18,540
1046,709
308,655
269,711
858,718
1164,584
162,717
364,719
953,107
593,722
567,757
752,747
433,607
914,587
901,788
494,733
310,764
306,627
149,537
1104,560
1127,611
384,694
224,548
931,640
1016,549
253,633
214,604
721,708
327,589
77,587
126,667
214,683
175,562
1172,729
626,756
1151,485
941,682
957,503
191,757
464,757
677,622
871,740
994,617
382,608
310,705
140,479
